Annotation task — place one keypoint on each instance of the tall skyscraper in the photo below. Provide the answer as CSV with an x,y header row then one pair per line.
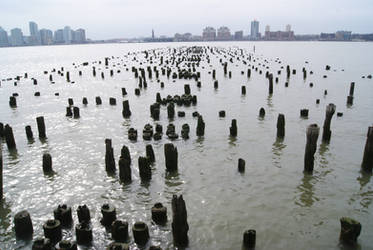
x,y
67,36
16,37
254,32
46,37
3,38
34,38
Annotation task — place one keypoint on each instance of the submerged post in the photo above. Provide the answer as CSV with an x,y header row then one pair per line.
x,y
367,164
9,137
350,231
249,239
330,110
312,135
109,157
180,225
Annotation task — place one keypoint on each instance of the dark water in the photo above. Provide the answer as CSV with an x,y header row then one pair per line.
x,y
288,209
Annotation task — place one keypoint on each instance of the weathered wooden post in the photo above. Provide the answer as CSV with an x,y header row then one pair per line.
x,y
233,128
150,153
241,165
12,102
200,126
144,169
126,109
47,163
350,97
67,245
41,127
180,225
1,130
9,137
367,164
270,88
262,112
350,231
171,155
109,214
98,100
140,233
29,133
64,215
159,214
243,90
119,231
76,112
52,230
84,233
40,243
281,125
85,101
171,110
312,134
83,214
109,157
125,170
23,225
330,110
249,239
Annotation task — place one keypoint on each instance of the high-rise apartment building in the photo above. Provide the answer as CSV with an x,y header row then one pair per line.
x,y
209,34
3,38
254,32
288,28
46,37
79,36
34,38
238,35
58,36
16,37
224,33
67,34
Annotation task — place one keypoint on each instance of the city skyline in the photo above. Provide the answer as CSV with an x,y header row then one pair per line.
x,y
115,19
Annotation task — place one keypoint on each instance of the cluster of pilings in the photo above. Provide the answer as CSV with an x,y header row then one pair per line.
x,y
119,229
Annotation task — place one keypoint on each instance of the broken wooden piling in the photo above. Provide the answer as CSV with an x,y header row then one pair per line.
x,y
312,134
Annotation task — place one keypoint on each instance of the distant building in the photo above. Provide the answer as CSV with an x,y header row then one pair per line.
x,y
287,35
34,38
79,36
238,35
153,34
254,32
209,34
327,36
58,36
268,28
343,35
67,35
46,37
183,37
4,41
224,33
16,37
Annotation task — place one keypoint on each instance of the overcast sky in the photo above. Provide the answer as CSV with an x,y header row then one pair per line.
x,y
104,19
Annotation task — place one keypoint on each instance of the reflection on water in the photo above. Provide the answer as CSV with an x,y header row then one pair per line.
x,y
307,192
269,101
232,141
277,148
365,194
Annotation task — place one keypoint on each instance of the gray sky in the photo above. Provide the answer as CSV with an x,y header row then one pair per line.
x,y
104,19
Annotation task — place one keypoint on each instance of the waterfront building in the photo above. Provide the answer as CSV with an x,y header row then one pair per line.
x,y
254,32
79,36
16,37
58,36
238,35
209,34
224,34
34,38
67,34
4,41
46,37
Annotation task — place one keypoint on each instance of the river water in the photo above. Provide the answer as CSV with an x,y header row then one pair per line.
x,y
287,208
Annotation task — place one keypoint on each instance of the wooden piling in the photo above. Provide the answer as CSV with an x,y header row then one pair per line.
x,y
126,109
330,110
23,225
140,233
41,127
312,134
281,125
52,230
150,153
200,126
171,155
367,164
47,163
9,137
249,239
350,231
29,133
159,214
233,128
109,157
180,225
241,165
144,169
